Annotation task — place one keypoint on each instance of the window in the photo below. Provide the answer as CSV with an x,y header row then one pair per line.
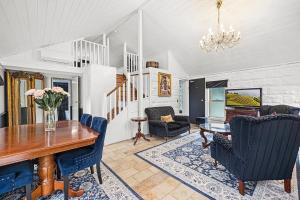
x,y
217,102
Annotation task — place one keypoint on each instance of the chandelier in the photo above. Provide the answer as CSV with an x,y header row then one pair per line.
x,y
220,39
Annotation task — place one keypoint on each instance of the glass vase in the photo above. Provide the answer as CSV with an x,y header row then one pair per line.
x,y
49,120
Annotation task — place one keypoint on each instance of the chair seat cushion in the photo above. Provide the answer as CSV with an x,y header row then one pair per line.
x,y
183,123
15,175
66,160
173,126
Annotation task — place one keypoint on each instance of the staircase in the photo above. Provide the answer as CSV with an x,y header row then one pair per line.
x,y
122,95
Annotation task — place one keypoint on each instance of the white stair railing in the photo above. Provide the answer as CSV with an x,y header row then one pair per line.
x,y
117,100
130,61
87,52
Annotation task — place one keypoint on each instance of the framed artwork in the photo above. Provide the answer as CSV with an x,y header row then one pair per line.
x,y
164,84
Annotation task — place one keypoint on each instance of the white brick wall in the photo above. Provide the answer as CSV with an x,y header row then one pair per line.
x,y
281,84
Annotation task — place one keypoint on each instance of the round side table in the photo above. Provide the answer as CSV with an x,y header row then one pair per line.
x,y
139,134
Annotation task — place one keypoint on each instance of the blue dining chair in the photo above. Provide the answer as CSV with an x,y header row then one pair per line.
x,y
78,159
16,175
86,119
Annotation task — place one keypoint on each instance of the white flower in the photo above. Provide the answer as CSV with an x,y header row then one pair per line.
x,y
30,92
47,89
57,90
66,93
39,94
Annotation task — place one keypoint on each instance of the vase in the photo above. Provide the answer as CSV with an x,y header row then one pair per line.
x,y
49,120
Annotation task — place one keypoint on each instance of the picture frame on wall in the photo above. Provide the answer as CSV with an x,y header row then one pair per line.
x,y
164,84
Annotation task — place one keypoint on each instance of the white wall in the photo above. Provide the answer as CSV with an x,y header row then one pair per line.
x,y
281,84
2,100
97,81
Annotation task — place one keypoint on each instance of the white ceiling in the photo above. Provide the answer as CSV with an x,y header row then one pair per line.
x,y
270,33
29,24
270,28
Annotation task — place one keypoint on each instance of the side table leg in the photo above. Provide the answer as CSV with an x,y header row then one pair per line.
x,y
205,144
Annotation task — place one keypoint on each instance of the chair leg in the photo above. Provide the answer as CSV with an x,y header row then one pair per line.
x,y
287,185
215,163
166,138
28,191
242,187
99,173
66,187
92,169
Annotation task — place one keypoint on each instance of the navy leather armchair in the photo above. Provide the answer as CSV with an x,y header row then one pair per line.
x,y
157,127
15,176
86,119
263,148
79,159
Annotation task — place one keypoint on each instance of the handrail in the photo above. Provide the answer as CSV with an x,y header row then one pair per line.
x,y
117,87
146,73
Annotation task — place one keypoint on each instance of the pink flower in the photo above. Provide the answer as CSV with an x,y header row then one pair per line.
x,y
30,92
39,94
57,90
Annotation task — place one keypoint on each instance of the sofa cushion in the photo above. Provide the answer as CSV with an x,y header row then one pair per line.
x,y
173,126
167,118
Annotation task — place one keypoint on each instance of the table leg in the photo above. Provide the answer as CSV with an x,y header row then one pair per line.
x,y
139,135
205,144
48,184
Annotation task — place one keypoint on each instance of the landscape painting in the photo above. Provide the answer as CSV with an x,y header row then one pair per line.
x,y
243,97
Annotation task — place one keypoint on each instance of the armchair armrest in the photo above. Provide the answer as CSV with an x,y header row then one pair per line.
x,y
223,141
182,118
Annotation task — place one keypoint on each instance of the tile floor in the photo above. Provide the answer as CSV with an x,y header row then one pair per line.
x,y
148,181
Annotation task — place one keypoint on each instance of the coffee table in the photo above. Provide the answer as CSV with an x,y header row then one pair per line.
x,y
213,128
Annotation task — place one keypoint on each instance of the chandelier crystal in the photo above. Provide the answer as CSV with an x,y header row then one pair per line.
x,y
220,39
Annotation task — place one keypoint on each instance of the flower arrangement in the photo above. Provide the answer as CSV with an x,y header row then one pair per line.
x,y
48,98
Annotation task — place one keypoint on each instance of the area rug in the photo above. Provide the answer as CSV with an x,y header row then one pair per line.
x,y
113,188
186,160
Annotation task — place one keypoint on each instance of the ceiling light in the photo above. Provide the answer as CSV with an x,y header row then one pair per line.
x,y
221,38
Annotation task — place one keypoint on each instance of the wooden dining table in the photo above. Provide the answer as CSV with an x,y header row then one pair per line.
x,y
29,142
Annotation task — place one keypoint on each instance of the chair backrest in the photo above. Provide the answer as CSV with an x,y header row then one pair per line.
x,y
154,113
267,146
86,119
99,125
278,109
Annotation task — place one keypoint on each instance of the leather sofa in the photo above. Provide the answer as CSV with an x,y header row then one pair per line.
x,y
157,127
278,109
263,148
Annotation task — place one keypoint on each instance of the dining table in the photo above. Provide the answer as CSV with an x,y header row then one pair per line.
x,y
31,142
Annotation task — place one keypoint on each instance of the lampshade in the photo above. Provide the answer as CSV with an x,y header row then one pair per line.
x,y
1,81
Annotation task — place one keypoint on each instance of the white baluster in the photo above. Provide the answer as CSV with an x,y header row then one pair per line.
x,y
80,53
98,54
110,108
94,53
123,95
128,87
125,69
120,98
90,53
107,52
116,103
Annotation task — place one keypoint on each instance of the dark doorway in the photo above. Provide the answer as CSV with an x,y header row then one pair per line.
x,y
64,111
196,99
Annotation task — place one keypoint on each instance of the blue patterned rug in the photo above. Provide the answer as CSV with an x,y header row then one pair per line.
x,y
113,188
186,160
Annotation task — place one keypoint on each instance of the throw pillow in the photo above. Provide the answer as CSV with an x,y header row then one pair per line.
x,y
167,118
